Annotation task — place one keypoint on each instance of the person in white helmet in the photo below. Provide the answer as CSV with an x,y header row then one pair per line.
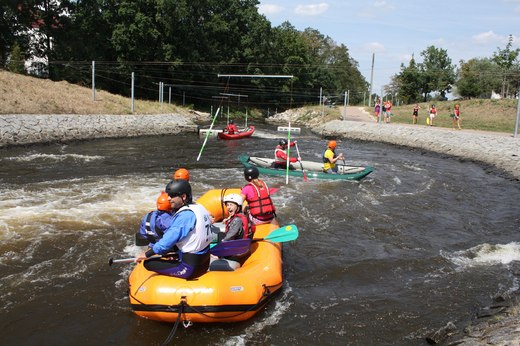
x,y
237,224
237,227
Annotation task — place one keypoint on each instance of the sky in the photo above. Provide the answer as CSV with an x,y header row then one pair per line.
x,y
393,30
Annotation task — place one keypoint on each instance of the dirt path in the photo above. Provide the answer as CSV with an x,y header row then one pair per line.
x,y
355,113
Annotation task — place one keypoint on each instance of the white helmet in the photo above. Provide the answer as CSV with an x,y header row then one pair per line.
x,y
235,198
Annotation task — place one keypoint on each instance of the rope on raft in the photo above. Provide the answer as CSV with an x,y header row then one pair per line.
x,y
174,329
266,295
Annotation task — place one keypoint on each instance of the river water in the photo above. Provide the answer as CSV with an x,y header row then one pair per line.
x,y
422,241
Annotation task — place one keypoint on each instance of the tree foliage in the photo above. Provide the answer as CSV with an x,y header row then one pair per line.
x,y
185,44
507,60
478,78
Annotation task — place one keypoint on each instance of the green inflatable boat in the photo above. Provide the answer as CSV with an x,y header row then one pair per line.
x,y
313,170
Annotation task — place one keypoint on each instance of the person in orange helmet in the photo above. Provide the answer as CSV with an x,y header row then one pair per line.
x,y
155,223
181,174
330,158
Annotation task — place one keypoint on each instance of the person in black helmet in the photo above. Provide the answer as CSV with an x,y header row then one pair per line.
x,y
280,155
189,235
258,197
231,128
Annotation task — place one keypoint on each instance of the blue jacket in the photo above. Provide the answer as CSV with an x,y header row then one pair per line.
x,y
182,223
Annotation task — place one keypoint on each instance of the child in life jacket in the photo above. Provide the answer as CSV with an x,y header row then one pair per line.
x,y
237,224
237,227
256,193
155,222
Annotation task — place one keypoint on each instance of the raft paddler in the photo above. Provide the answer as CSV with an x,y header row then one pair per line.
x,y
280,154
189,236
231,128
258,196
181,174
155,223
330,158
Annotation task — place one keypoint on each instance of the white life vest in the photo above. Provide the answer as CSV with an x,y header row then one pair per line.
x,y
200,237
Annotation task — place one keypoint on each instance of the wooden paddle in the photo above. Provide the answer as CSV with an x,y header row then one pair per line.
x,y
301,164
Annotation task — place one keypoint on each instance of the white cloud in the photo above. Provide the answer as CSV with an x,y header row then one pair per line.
x,y
268,9
311,10
487,38
375,47
376,9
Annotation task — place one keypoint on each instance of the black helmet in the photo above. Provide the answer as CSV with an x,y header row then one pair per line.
x,y
231,121
178,188
283,142
251,173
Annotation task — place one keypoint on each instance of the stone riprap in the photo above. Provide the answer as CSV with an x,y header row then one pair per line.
x,y
498,149
21,129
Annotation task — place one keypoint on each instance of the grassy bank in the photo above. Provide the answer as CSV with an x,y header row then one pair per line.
x,y
477,114
21,94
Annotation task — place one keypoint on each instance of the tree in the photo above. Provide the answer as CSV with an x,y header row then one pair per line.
x,y
16,60
478,78
437,72
409,82
506,59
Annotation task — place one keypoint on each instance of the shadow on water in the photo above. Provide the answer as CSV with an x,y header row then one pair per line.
x,y
421,241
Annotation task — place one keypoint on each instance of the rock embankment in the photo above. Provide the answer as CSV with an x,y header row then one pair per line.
x,y
499,150
21,129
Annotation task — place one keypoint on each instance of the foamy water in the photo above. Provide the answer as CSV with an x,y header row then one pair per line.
x,y
484,255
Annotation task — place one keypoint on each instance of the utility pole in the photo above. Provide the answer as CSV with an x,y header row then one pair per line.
x,y
371,81
93,80
517,114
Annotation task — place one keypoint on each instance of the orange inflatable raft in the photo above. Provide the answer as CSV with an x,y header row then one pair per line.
x,y
216,296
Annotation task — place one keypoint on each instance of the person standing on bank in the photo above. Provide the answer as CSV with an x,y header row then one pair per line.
x,y
377,110
189,235
388,111
258,197
415,114
433,113
280,155
330,158
456,117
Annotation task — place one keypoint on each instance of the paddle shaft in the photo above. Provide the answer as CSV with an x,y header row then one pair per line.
x,y
301,164
111,260
239,246
207,134
288,154
233,247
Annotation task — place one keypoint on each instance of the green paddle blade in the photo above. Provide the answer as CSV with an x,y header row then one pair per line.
x,y
282,234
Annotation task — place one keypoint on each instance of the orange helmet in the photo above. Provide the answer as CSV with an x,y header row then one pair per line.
x,y
332,144
163,203
181,174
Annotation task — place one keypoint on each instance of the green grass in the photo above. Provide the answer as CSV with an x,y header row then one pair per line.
x,y
477,114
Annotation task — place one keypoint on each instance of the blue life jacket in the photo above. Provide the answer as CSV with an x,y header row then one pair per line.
x,y
154,224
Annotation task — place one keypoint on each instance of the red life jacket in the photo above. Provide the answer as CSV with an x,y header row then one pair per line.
x,y
261,207
245,225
